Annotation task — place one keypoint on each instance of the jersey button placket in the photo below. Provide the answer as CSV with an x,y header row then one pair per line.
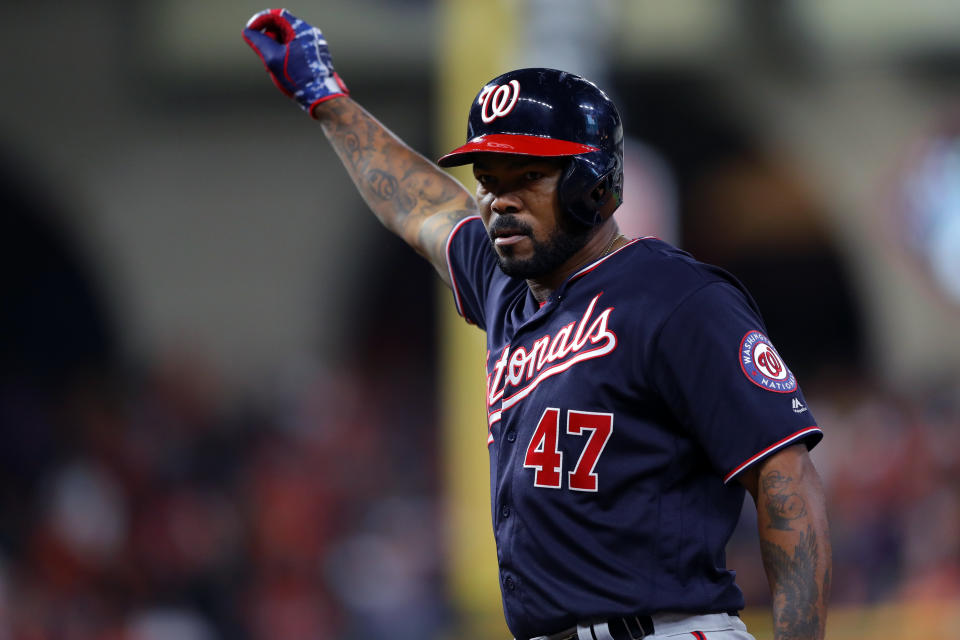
x,y
504,524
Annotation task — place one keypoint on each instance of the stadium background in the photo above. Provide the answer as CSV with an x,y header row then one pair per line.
x,y
232,406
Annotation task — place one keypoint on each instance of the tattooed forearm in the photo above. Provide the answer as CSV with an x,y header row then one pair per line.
x,y
409,194
783,502
794,544
370,155
352,153
382,184
797,596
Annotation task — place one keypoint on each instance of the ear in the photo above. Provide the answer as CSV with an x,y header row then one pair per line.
x,y
598,194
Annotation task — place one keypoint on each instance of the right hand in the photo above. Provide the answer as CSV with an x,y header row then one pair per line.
x,y
296,57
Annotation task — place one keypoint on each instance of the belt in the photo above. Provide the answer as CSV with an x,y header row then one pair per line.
x,y
626,628
636,627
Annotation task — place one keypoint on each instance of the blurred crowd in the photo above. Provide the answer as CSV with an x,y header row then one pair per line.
x,y
154,499
152,509
891,471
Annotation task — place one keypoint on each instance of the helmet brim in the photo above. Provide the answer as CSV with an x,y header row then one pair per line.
x,y
513,143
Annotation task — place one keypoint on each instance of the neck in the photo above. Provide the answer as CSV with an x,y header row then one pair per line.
x,y
606,240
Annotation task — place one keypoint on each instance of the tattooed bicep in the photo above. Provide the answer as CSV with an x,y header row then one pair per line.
x,y
784,502
433,234
780,487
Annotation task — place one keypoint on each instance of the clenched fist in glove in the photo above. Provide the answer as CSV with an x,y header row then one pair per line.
x,y
296,57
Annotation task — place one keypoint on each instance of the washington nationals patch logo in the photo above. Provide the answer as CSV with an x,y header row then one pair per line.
x,y
498,100
763,366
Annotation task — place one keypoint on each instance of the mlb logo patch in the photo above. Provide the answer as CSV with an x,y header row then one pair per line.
x,y
763,366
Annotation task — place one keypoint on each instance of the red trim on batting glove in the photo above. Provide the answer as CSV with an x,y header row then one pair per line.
x,y
281,26
323,99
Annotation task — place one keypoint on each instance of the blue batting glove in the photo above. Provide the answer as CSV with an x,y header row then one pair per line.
x,y
296,57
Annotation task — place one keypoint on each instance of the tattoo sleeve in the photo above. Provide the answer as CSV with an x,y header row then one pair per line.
x,y
410,195
794,544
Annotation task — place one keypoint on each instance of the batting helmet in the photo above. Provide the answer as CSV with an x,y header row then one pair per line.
x,y
545,112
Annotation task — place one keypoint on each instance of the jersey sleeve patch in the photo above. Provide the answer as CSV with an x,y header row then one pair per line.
x,y
763,366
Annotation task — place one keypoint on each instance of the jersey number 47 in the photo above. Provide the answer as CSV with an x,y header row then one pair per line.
x,y
545,457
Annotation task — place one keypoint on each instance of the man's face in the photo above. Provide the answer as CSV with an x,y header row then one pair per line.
x,y
520,208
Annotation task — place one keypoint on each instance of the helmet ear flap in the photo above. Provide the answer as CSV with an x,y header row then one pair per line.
x,y
607,196
589,194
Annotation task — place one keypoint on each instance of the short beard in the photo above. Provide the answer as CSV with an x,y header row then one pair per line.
x,y
547,256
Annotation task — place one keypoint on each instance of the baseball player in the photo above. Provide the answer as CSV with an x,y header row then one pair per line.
x,y
633,395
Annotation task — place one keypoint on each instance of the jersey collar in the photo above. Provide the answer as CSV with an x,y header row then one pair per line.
x,y
593,265
559,294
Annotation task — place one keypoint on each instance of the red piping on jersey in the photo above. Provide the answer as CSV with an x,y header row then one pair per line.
x,y
698,635
776,445
453,280
593,266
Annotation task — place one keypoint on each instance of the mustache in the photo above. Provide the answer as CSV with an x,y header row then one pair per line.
x,y
508,224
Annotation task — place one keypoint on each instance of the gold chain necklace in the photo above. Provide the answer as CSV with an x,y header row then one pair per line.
x,y
609,247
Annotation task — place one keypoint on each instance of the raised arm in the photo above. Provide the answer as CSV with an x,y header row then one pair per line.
x,y
410,195
794,541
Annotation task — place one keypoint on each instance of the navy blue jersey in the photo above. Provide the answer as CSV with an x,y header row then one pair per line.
x,y
620,413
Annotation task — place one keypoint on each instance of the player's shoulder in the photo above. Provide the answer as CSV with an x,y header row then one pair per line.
x,y
663,277
661,265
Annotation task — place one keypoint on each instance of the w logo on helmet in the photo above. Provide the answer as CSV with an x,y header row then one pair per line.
x,y
561,115
498,100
